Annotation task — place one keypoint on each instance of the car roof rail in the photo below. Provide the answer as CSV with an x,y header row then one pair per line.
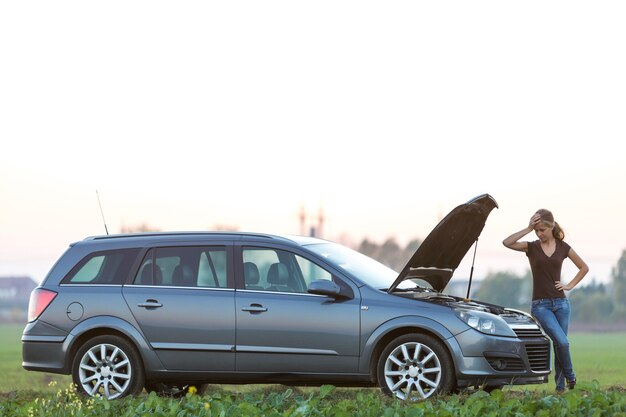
x,y
187,233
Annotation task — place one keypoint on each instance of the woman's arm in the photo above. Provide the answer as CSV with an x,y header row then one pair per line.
x,y
582,271
511,242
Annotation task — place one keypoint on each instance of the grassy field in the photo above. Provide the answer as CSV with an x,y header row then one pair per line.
x,y
599,356
596,356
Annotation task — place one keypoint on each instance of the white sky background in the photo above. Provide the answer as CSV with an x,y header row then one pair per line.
x,y
186,115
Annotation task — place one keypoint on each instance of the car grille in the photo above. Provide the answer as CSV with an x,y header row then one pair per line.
x,y
538,356
522,332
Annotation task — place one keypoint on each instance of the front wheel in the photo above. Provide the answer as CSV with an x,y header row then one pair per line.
x,y
108,366
414,367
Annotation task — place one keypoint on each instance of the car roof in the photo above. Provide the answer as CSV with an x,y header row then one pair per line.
x,y
149,237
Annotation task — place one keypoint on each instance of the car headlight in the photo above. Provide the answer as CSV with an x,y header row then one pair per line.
x,y
485,322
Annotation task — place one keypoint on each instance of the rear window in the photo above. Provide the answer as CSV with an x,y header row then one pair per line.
x,y
104,268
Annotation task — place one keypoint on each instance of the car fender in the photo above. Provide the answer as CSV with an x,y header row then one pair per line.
x,y
148,355
409,321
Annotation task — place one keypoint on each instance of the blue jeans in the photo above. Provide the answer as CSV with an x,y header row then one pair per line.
x,y
553,315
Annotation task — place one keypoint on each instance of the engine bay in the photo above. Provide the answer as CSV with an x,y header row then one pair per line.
x,y
428,295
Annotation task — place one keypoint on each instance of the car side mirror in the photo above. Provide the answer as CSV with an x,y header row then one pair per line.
x,y
325,287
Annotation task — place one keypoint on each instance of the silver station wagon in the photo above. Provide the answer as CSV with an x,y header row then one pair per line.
x,y
165,311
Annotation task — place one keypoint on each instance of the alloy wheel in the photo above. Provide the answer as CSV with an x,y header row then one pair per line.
x,y
412,371
106,370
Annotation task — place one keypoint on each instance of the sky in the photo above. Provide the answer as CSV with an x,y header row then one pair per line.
x,y
198,115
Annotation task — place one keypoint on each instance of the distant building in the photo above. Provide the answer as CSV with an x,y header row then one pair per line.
x,y
14,296
315,223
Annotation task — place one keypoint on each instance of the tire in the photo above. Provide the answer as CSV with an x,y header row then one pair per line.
x,y
173,389
108,366
415,367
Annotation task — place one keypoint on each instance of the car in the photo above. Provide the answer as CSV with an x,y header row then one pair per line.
x,y
167,311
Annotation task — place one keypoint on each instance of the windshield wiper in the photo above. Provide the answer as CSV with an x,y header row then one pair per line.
x,y
442,297
417,288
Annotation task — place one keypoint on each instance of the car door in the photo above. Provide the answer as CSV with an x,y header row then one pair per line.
x,y
183,299
282,328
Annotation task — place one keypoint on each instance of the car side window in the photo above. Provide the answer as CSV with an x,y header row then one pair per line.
x,y
312,272
105,267
184,266
256,265
268,269
212,268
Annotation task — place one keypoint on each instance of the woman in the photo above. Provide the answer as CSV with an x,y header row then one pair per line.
x,y
549,305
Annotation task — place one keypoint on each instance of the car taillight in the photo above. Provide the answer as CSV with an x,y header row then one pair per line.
x,y
40,299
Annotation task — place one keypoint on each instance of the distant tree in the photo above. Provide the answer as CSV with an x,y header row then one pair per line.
x,y
224,227
619,289
370,249
506,289
389,253
143,227
591,304
409,250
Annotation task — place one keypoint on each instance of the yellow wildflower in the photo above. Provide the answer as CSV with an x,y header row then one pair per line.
x,y
193,390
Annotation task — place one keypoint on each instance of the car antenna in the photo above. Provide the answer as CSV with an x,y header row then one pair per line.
x,y
469,286
102,212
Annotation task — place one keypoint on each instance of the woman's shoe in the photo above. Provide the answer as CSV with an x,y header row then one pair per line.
x,y
571,383
560,390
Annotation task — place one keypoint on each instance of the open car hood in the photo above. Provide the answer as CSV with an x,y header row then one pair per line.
x,y
441,252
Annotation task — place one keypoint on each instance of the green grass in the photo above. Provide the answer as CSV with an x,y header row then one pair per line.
x,y
599,356
596,356
326,401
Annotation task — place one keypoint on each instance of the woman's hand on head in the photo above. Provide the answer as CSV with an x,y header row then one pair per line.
x,y
536,218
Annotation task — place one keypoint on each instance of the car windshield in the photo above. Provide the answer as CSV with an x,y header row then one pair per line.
x,y
366,269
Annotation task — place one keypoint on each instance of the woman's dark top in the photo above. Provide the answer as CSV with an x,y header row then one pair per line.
x,y
546,269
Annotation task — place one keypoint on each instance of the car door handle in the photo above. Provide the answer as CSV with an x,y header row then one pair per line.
x,y
255,308
150,304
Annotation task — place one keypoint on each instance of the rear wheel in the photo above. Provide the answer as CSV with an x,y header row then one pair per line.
x,y
173,389
108,366
414,367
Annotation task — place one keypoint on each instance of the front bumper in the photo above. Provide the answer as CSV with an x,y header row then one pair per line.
x,y
494,360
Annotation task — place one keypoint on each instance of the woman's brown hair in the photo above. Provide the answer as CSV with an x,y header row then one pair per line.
x,y
548,218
